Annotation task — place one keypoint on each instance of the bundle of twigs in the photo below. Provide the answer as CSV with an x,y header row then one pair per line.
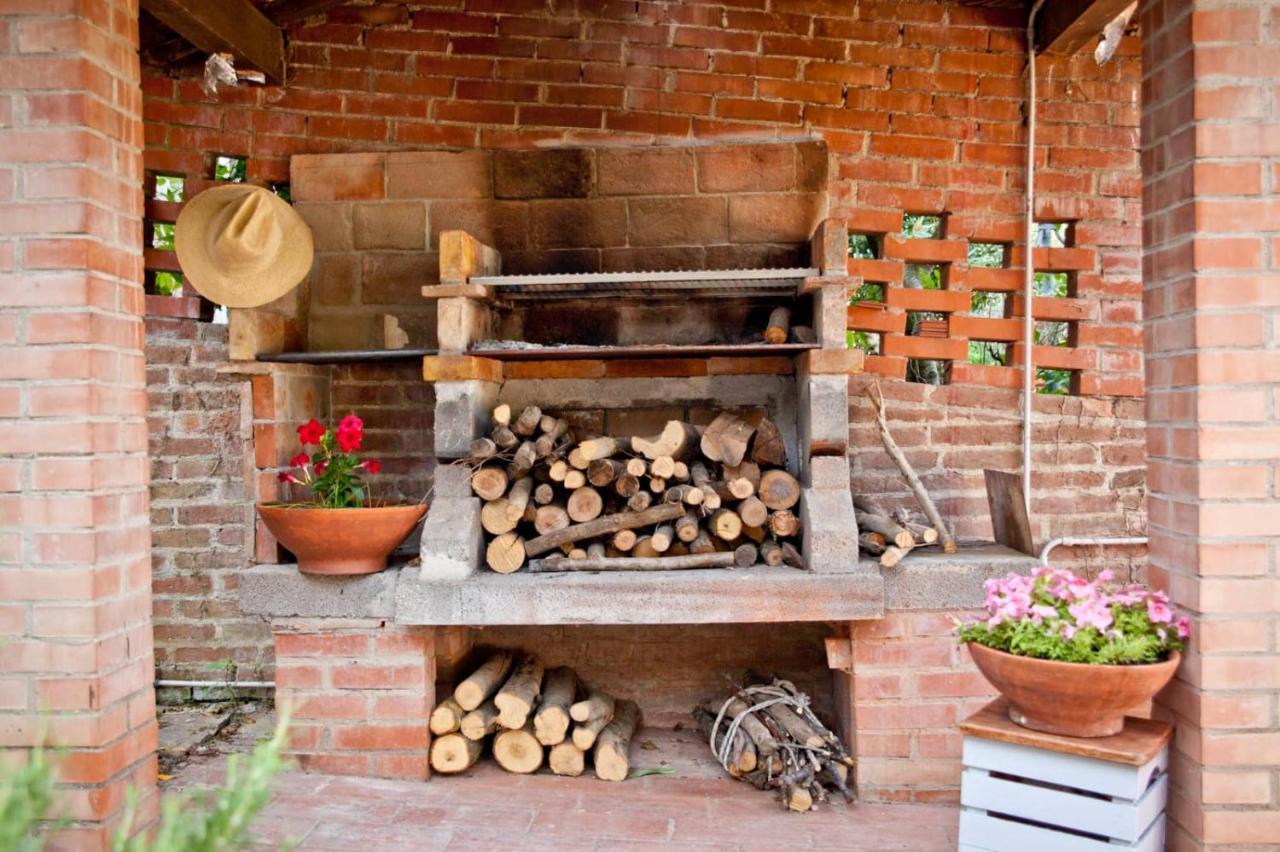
x,y
767,735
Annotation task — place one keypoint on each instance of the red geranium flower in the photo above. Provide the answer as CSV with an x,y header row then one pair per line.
x,y
351,423
311,432
300,460
286,476
373,466
349,441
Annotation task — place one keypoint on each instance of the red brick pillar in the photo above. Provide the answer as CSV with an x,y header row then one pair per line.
x,y
75,568
1211,109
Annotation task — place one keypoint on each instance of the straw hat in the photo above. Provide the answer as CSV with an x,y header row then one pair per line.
x,y
242,246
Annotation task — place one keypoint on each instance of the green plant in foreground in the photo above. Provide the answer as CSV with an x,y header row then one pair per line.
x,y
212,820
25,796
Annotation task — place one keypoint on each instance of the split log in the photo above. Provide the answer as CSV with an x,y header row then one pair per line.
x,y
489,483
596,550
634,562
526,457
577,460
501,515
600,448
484,681
690,495
597,705
917,487
702,543
687,528
639,501
612,749
779,325
504,437
657,484
576,553
727,436
784,523
753,512
768,448
626,485
516,698
677,439
792,557
454,753
567,759
921,533
795,726
480,722
797,798
446,718
600,472
637,467
518,750
644,549
605,525
725,524
574,479
748,470
543,494
551,722
663,466
680,471
662,537
482,449
502,415
888,528
771,553
871,542
558,470
624,540
739,488
779,489
892,556
742,754
803,334
756,534
592,716
765,743
505,553
584,504
527,423
550,517
745,555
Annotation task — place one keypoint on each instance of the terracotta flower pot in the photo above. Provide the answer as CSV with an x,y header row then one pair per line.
x,y
340,541
1072,699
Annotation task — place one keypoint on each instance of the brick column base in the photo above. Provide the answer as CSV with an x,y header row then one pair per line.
x,y
361,693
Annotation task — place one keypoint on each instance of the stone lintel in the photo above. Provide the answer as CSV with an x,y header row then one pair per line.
x,y
282,591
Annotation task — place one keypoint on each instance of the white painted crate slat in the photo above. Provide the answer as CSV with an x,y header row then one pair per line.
x,y
1022,791
1119,819
1069,770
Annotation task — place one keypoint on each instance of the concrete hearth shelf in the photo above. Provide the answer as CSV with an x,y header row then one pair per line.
x,y
929,580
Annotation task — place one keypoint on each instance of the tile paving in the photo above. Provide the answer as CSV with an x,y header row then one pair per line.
x,y
489,809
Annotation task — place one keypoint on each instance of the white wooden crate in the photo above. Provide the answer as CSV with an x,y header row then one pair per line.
x,y
1017,798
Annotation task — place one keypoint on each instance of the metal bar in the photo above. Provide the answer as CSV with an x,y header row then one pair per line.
x,y
348,356
692,275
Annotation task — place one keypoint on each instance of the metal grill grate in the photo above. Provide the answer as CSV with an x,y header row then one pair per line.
x,y
705,283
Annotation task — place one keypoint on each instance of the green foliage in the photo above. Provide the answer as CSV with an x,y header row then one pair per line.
x,y
168,283
987,304
917,226
921,276
169,188
212,820
989,255
867,341
862,247
1053,381
1053,284
869,291
927,372
283,191
162,235
230,168
988,352
1053,234
26,793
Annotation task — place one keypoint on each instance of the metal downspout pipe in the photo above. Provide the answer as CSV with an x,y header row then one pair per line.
x,y
1028,281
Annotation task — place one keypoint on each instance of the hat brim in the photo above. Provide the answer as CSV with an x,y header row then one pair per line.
x,y
282,274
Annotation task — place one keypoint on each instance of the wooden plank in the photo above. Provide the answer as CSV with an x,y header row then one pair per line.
x,y
454,368
1139,742
553,369
634,353
285,12
751,366
1065,26
655,367
1009,511
463,291
978,830
462,257
228,26
830,362
1118,780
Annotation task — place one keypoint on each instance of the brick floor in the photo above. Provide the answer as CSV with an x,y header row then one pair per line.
x,y
489,809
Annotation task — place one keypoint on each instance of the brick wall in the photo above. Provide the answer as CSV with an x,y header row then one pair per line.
x,y
201,514
75,598
1212,281
921,105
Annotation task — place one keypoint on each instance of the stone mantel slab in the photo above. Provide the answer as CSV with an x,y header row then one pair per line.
x,y
708,596
927,580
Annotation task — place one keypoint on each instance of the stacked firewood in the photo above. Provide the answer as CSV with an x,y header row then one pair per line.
x,y
719,497
532,714
767,736
891,534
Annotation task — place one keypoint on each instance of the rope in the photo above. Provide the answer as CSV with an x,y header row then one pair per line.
x,y
782,692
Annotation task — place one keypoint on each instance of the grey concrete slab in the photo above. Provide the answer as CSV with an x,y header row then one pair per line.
x,y
463,410
823,415
708,596
452,538
282,591
830,531
931,579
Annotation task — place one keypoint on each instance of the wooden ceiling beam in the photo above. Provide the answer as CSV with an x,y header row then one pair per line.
x,y
1065,26
285,12
226,26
